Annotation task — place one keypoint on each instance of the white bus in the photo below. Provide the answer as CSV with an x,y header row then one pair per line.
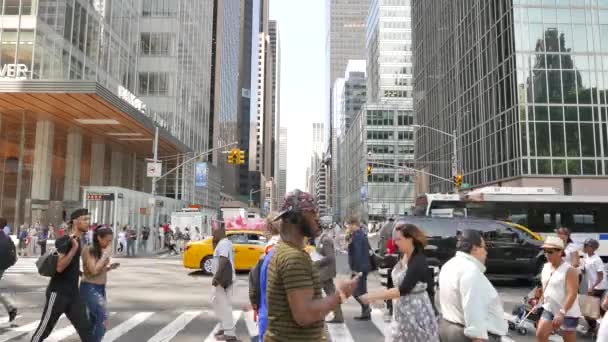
x,y
540,209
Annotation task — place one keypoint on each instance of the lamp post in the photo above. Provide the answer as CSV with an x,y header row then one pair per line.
x,y
454,146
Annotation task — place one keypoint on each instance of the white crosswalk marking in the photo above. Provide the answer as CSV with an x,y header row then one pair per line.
x,y
126,326
339,332
378,320
236,316
252,326
17,332
168,332
23,265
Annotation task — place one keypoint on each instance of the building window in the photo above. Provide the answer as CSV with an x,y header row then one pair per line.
x,y
156,44
159,8
154,84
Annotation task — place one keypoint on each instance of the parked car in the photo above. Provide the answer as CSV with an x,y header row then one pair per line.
x,y
513,252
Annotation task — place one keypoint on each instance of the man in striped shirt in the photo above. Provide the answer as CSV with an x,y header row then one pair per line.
x,y
293,280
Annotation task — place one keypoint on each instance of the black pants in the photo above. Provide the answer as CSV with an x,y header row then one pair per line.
x,y
389,285
360,291
73,308
42,247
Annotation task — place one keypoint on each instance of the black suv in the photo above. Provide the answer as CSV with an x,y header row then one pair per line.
x,y
512,253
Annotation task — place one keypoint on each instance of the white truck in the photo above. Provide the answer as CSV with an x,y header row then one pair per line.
x,y
193,218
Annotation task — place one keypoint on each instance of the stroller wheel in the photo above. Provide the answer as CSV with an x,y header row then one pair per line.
x,y
522,331
511,326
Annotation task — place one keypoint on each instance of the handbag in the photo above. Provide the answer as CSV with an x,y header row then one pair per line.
x,y
47,264
373,264
590,306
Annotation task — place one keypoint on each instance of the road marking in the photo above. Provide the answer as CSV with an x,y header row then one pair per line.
x,y
17,332
252,326
126,326
169,332
378,320
236,316
339,332
64,333
4,320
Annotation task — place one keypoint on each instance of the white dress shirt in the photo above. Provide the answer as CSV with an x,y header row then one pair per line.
x,y
468,298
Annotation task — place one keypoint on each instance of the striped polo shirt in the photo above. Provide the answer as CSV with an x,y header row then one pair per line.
x,y
290,269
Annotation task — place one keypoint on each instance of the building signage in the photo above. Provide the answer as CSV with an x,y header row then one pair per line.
x,y
14,71
201,175
100,197
154,169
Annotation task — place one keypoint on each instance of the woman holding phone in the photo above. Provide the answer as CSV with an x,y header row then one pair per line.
x,y
96,264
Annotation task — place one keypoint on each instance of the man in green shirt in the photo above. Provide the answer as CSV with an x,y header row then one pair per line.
x,y
293,280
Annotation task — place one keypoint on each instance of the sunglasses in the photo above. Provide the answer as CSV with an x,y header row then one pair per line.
x,y
550,251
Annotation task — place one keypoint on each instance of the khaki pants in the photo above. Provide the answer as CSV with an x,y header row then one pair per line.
x,y
329,288
222,306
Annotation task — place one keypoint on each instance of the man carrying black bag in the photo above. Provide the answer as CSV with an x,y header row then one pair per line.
x,y
62,294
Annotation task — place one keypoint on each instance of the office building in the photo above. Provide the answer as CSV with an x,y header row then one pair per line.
x,y
349,97
380,136
225,92
345,40
524,86
282,182
79,105
389,52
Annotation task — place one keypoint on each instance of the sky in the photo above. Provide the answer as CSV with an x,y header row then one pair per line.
x,y
302,35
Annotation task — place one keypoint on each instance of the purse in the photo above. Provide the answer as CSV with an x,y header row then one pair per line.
x,y
590,306
47,264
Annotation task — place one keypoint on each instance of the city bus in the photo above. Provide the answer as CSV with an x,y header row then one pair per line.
x,y
540,209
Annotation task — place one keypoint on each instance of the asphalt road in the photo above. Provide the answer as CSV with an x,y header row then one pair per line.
x,y
158,300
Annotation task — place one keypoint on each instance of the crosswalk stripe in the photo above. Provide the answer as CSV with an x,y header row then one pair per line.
x,y
236,316
4,320
252,326
17,332
66,332
339,332
168,332
378,320
126,326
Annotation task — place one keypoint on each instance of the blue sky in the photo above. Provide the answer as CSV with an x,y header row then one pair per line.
x,y
302,34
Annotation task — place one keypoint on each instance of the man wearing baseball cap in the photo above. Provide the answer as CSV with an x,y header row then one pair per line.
x,y
595,277
296,308
62,294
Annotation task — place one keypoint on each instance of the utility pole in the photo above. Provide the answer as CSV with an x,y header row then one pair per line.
x,y
153,200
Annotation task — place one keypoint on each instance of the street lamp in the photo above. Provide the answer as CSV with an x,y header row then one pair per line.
x,y
453,136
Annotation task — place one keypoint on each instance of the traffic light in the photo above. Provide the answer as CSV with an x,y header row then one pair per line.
x,y
458,181
369,171
241,157
232,156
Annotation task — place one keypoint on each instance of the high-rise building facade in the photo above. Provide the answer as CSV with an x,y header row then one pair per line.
x,y
282,163
389,52
225,91
381,136
79,103
174,81
345,40
523,84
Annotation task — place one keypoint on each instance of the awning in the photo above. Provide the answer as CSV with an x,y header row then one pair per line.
x,y
95,110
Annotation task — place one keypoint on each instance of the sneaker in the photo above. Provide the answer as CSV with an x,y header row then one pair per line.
x,y
12,315
335,321
366,317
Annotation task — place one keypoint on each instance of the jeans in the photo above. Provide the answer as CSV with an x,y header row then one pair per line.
x,y
143,247
4,300
94,296
130,247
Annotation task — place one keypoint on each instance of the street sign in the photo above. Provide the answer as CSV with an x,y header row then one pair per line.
x,y
154,169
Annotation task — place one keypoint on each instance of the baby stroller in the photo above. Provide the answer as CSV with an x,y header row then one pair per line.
x,y
527,315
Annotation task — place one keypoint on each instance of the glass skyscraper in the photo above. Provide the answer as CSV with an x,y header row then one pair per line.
x,y
523,83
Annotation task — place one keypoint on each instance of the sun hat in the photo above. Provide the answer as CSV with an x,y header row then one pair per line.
x,y
553,242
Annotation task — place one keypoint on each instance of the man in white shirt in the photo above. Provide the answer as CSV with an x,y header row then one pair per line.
x,y
223,258
470,305
595,276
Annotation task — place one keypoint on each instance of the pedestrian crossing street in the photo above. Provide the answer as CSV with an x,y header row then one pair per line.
x,y
23,265
185,326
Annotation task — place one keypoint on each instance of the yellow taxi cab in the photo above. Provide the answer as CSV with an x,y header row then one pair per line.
x,y
248,247
525,230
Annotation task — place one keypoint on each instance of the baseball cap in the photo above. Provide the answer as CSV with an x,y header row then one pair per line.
x,y
297,201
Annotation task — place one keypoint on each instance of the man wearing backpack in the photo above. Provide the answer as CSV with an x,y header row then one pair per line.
x,y
8,257
63,294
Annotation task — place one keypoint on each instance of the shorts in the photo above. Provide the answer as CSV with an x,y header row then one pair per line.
x,y
569,324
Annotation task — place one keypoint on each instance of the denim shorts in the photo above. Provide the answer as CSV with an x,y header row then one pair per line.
x,y
569,324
